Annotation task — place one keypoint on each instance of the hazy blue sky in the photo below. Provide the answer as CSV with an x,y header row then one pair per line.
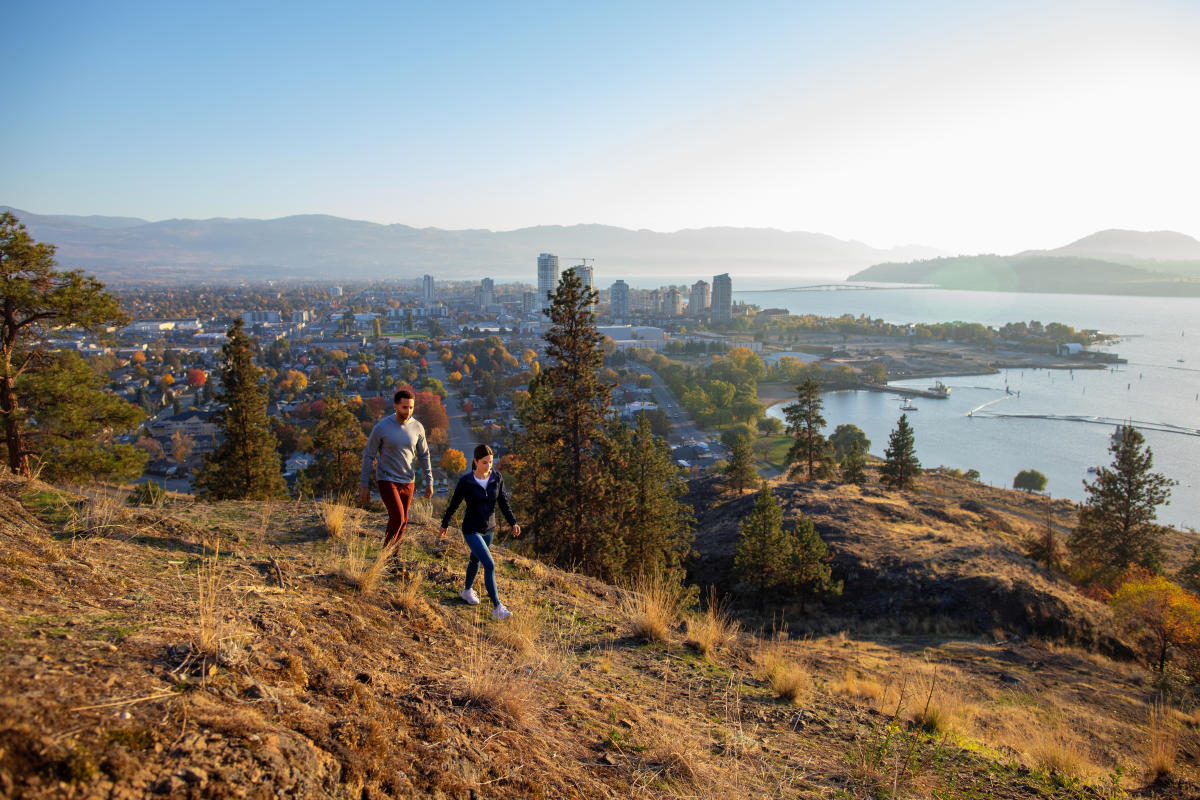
x,y
964,125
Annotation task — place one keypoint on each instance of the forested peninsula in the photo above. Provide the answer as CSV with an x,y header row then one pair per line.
x,y
1034,273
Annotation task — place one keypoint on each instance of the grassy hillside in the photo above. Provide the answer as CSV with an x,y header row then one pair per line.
x,y
254,650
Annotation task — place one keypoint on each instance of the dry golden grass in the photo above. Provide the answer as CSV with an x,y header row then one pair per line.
x,y
1055,752
852,684
711,630
788,678
1164,743
519,633
361,570
494,688
102,513
208,585
337,517
409,595
652,604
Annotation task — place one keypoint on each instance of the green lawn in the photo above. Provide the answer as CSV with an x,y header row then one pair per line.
x,y
773,449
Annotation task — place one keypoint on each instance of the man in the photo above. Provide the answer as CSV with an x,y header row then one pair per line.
x,y
396,442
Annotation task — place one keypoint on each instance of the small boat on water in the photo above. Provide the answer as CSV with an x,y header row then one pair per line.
x,y
907,405
940,389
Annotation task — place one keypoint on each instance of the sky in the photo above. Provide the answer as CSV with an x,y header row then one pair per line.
x,y
967,126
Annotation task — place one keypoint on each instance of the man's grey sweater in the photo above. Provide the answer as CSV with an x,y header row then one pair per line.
x,y
394,447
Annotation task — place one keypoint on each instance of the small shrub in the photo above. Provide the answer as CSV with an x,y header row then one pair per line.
x,y
147,494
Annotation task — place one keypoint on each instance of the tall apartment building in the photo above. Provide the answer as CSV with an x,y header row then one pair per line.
x,y
547,279
487,293
528,302
699,300
672,303
722,298
587,276
427,289
618,299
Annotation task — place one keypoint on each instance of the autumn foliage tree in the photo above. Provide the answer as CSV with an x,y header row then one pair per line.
x,y
1160,614
453,462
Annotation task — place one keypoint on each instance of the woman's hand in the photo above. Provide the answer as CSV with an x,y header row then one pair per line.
x,y
516,530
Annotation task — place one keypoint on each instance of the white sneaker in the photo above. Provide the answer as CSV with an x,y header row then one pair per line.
x,y
469,597
500,612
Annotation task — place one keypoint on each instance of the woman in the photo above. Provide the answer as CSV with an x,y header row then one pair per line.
x,y
481,489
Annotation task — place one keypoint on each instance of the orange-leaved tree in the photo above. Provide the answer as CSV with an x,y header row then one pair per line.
x,y
1161,614
453,461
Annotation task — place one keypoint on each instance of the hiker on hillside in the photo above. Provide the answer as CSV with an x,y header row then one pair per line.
x,y
396,442
482,489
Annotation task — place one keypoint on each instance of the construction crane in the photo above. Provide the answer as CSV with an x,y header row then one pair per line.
x,y
583,261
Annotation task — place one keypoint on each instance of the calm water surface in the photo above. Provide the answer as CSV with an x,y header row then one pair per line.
x,y
1054,421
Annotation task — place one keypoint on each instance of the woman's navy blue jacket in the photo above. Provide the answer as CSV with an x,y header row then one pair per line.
x,y
480,516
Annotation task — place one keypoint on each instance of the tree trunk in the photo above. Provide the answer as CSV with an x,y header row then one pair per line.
x,y
18,459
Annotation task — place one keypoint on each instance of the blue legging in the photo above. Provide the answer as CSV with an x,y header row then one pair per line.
x,y
480,554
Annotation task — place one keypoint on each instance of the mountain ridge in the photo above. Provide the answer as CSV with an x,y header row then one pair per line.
x,y
308,246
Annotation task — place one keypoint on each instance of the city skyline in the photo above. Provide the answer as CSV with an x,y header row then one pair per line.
x,y
969,129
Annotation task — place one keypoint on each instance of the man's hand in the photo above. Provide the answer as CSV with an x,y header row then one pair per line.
x,y
364,495
442,535
516,530
428,491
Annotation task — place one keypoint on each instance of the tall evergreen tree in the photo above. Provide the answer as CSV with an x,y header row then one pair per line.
x,y
810,574
567,503
853,466
804,423
246,465
652,526
764,559
34,298
1116,527
72,422
900,465
338,443
740,473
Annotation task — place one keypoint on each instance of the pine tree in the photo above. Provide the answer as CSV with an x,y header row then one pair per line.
x,y
853,466
653,527
567,501
740,473
764,556
34,298
804,422
900,466
1116,527
246,465
810,574
338,443
71,422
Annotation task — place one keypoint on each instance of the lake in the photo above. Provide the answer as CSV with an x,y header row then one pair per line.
x,y
1055,421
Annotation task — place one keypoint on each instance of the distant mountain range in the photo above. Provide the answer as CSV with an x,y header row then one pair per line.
x,y
124,250
1158,263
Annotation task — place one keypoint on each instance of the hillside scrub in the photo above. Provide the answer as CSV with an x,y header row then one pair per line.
x,y
217,649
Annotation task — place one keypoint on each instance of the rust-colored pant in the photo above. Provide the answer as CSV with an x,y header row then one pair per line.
x,y
397,497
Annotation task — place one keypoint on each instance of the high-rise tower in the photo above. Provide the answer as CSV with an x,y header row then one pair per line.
x,y
547,281
618,299
722,298
699,300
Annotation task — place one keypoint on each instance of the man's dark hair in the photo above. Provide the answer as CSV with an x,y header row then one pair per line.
x,y
403,394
